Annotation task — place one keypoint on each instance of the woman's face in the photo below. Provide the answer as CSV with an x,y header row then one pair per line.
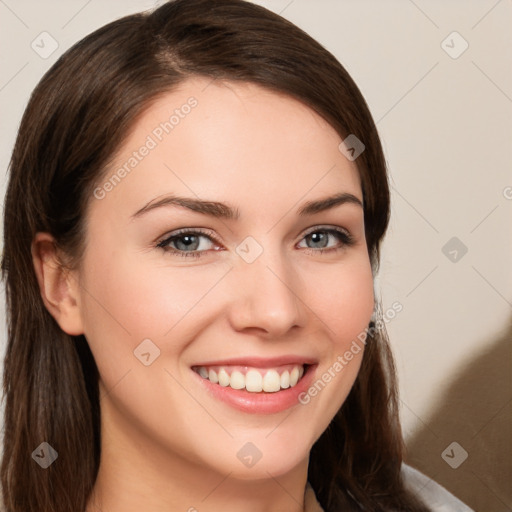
x,y
262,291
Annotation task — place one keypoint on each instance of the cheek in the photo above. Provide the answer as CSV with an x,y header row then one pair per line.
x,y
143,300
127,302
344,300
344,303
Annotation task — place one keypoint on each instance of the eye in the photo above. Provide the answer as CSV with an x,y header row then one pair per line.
x,y
320,237
187,242
194,242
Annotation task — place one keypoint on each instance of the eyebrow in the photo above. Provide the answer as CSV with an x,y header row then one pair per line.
x,y
224,211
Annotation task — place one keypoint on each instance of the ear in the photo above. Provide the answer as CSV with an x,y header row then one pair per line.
x,y
58,286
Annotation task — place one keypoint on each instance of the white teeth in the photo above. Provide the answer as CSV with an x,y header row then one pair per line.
x,y
223,377
294,376
237,380
212,377
285,379
253,381
271,381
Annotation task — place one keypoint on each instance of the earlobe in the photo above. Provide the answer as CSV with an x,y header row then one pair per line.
x,y
57,285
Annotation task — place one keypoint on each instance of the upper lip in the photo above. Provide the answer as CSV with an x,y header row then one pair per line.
x,y
260,362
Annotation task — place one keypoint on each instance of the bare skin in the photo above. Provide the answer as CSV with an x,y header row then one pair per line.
x,y
167,444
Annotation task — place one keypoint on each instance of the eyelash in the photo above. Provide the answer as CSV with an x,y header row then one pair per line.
x,y
346,241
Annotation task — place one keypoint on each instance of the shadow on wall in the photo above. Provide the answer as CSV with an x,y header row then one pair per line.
x,y
476,413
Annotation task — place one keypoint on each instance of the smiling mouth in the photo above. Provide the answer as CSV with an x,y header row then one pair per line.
x,y
253,380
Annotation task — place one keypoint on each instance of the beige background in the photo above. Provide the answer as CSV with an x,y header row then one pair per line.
x,y
446,125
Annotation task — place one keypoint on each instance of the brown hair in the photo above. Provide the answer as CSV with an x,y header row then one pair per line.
x,y
77,118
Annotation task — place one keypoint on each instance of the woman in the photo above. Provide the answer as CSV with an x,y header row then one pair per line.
x,y
196,203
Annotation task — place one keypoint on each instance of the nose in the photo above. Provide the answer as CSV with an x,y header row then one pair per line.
x,y
266,297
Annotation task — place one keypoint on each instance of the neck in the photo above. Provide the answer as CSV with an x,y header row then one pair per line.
x,y
135,474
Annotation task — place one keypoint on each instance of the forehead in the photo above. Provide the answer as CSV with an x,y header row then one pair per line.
x,y
232,141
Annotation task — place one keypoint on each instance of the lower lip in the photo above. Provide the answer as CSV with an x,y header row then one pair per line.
x,y
259,403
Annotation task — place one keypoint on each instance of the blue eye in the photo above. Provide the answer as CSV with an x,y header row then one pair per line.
x,y
187,242
320,238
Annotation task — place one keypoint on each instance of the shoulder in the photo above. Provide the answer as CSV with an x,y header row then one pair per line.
x,y
433,494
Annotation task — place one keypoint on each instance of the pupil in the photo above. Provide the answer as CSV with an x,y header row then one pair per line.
x,y
187,240
317,237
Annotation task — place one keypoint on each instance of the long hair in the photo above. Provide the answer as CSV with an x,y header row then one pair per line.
x,y
76,119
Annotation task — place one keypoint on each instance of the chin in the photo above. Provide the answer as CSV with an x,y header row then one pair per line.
x,y
267,453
